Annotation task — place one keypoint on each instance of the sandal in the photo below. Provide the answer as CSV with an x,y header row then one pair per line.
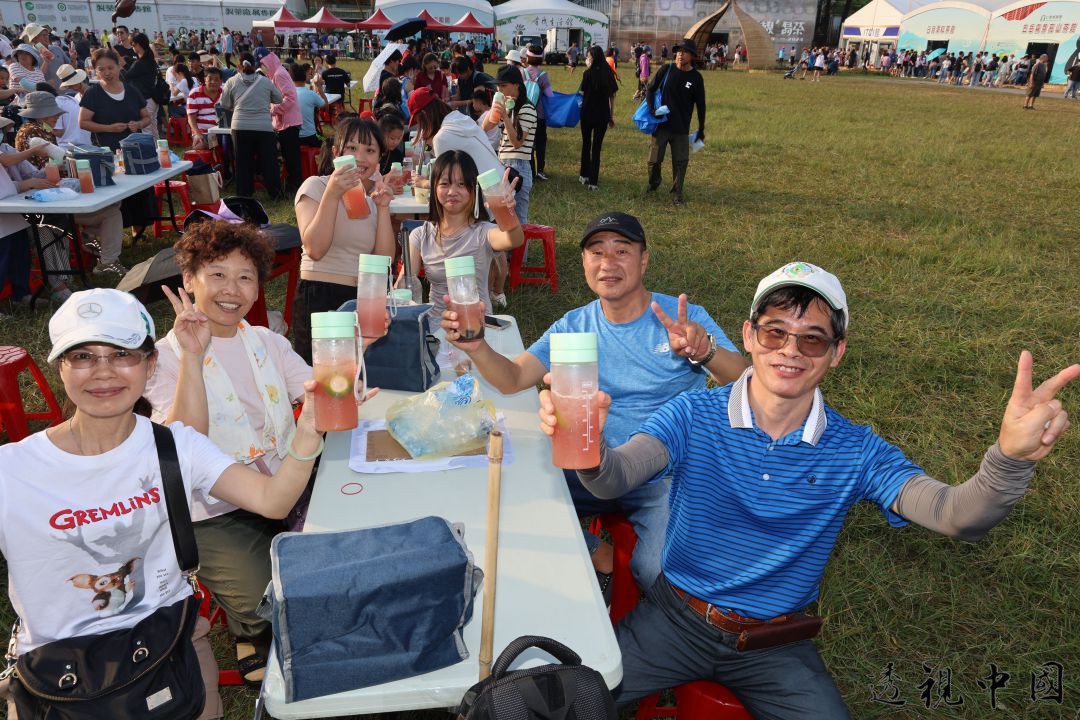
x,y
251,664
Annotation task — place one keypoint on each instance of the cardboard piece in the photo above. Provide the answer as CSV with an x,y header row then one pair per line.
x,y
381,446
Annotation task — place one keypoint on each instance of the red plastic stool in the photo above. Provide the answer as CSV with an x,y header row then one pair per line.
x,y
179,188
548,273
364,105
13,360
309,161
215,615
207,156
178,132
697,700
285,262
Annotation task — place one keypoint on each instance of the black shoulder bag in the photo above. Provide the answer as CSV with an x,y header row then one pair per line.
x,y
150,670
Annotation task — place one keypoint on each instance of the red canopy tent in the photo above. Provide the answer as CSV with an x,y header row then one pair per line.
x,y
281,19
433,24
378,21
469,24
327,20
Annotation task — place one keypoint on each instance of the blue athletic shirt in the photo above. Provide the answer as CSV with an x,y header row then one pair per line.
x,y
753,520
636,365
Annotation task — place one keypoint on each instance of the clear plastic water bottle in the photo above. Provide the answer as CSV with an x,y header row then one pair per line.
x,y
575,444
334,362
464,297
371,286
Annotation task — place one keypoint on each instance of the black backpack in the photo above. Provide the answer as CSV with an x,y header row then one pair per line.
x,y
569,691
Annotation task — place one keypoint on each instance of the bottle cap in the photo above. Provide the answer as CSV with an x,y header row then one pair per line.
x,y
396,167
408,146
345,161
82,164
573,347
489,179
510,103
402,295
497,97
374,263
163,144
332,325
460,266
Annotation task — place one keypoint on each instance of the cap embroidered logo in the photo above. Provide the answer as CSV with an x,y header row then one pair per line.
x,y
607,220
799,269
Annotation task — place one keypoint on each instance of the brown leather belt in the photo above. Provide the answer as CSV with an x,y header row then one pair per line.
x,y
754,634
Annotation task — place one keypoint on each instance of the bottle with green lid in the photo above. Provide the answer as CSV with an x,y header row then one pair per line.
x,y
575,444
355,198
86,178
334,363
464,296
500,199
372,283
163,154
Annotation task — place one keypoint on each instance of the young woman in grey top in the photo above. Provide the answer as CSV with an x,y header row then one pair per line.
x,y
249,95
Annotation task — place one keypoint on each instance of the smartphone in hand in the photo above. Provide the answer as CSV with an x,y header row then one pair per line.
x,y
493,322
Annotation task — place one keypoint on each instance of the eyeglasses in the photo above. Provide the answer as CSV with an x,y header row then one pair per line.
x,y
809,344
83,360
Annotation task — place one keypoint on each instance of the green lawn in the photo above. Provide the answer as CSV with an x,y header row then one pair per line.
x,y
950,216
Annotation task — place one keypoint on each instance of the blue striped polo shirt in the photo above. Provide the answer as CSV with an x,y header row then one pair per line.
x,y
754,520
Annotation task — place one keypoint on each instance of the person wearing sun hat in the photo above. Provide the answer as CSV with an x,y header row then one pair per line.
x,y
73,84
763,475
26,71
39,112
682,89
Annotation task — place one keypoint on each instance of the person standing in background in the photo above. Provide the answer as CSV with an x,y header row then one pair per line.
x,y
682,88
1036,80
534,56
286,118
598,88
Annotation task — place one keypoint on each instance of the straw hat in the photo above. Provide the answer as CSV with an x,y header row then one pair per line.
x,y
69,76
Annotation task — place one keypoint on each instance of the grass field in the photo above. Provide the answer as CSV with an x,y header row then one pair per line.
x,y
950,216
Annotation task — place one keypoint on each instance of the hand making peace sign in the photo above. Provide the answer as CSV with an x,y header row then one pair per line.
x,y
191,327
1034,419
686,338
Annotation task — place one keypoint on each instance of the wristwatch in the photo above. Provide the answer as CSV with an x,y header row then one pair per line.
x,y
708,355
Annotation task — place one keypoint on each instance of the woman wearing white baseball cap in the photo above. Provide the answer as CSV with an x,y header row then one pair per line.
x,y
82,503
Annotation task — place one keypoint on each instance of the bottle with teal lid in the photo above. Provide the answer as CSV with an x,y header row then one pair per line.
x,y
575,444
500,199
372,283
355,198
464,296
334,360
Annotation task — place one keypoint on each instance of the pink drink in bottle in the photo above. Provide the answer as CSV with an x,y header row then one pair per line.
x,y
464,297
333,353
371,285
575,444
495,192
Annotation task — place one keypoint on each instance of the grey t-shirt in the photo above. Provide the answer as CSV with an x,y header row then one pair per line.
x,y
254,112
472,240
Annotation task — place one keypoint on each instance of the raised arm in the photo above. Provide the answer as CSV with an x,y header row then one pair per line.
x,y
505,375
1034,420
690,340
192,331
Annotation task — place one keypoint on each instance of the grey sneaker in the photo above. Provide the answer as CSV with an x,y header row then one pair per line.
x,y
498,299
583,180
592,187
113,267
541,176
60,295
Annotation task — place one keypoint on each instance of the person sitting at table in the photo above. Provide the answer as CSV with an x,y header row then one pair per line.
x,y
393,131
654,347
332,240
390,96
105,453
14,237
442,128
249,96
72,86
201,111
250,380
455,229
25,71
112,110
310,102
431,77
102,231
336,79
180,90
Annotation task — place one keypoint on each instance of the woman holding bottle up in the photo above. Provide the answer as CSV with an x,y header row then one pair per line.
x,y
338,223
455,228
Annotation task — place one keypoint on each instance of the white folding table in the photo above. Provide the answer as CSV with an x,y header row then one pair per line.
x,y
546,583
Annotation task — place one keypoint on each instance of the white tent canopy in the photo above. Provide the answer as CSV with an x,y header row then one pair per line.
x,y
445,11
149,15
536,17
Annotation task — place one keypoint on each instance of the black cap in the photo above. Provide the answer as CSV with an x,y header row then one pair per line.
x,y
616,222
686,44
509,74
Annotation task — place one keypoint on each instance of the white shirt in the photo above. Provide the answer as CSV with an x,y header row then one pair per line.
x,y
5,47
86,538
67,125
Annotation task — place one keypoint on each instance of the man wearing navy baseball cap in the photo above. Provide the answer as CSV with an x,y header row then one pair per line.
x,y
652,347
763,474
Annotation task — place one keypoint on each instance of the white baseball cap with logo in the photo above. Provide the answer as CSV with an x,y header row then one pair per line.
x,y
101,315
804,274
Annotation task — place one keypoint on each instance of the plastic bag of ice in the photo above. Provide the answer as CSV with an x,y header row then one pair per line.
x,y
449,419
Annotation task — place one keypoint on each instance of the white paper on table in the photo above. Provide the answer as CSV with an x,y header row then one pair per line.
x,y
358,453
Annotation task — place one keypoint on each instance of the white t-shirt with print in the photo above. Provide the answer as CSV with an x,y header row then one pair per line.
x,y
86,538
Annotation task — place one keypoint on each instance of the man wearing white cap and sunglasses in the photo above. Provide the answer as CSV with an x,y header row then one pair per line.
x,y
763,476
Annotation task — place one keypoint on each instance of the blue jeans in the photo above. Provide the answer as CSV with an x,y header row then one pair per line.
x,y
665,643
647,510
1070,91
523,190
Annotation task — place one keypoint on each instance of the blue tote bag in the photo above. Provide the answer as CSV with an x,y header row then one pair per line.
x,y
647,122
355,608
563,110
